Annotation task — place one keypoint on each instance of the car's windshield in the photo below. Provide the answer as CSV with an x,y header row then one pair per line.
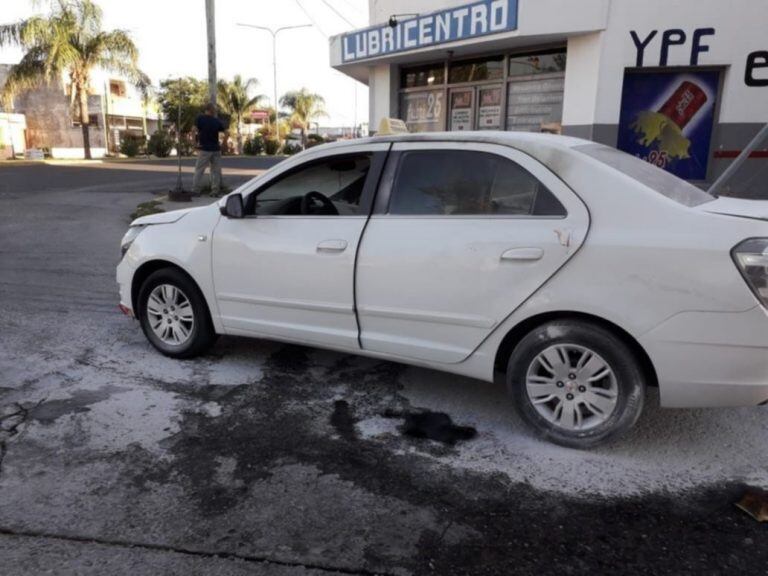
x,y
655,178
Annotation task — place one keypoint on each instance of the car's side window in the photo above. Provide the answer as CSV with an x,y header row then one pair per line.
x,y
466,183
328,187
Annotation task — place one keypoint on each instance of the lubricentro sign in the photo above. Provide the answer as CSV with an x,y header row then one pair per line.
x,y
469,21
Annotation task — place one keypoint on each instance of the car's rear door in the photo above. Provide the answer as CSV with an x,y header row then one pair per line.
x,y
462,234
291,276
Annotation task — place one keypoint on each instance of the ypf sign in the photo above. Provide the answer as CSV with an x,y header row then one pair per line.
x,y
468,21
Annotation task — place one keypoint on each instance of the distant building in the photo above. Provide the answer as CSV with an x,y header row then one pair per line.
x,y
13,129
115,108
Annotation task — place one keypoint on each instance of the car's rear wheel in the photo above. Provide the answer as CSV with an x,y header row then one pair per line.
x,y
173,314
575,383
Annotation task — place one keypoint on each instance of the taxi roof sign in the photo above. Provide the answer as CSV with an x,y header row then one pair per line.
x,y
391,126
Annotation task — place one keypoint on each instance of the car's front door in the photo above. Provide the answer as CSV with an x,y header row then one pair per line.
x,y
462,234
286,270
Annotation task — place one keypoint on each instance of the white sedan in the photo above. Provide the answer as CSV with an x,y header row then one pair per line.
x,y
580,273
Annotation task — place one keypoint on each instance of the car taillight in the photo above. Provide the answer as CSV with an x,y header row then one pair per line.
x,y
751,257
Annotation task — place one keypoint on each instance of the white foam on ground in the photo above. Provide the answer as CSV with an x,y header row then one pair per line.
x,y
668,450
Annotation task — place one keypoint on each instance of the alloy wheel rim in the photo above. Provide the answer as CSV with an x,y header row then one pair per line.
x,y
572,387
170,314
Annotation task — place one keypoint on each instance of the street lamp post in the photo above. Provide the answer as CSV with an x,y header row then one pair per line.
x,y
274,34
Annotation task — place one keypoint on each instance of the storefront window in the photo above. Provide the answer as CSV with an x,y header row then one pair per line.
x,y
476,70
431,75
542,63
423,111
486,93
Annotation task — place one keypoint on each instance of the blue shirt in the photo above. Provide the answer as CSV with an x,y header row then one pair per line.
x,y
208,128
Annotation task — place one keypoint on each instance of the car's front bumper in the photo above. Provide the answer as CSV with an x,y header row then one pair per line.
x,y
711,359
124,277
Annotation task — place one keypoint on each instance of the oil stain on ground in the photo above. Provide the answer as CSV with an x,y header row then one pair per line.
x,y
49,411
343,420
437,426
511,528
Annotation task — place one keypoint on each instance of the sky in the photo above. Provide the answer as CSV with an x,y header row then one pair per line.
x,y
171,38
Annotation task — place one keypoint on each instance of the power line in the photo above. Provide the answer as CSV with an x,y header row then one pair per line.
x,y
339,14
308,15
354,7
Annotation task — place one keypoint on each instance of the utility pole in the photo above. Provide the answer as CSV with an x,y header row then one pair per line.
x,y
210,18
274,34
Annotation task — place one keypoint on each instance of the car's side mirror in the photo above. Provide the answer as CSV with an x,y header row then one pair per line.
x,y
233,208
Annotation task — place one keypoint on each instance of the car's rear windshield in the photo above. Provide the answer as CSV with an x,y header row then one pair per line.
x,y
653,177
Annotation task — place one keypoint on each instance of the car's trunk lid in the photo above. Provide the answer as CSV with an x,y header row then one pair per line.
x,y
740,207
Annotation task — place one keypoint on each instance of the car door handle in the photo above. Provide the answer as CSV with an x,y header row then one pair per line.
x,y
332,246
523,254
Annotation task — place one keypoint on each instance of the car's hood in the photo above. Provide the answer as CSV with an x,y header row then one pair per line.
x,y
164,217
741,207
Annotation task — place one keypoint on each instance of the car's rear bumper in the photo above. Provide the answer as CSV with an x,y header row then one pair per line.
x,y
711,359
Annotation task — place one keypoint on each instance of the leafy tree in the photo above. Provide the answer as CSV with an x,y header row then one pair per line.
x,y
160,143
304,106
69,41
254,145
191,93
235,99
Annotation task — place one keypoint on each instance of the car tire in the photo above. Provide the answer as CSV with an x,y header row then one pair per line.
x,y
575,383
174,315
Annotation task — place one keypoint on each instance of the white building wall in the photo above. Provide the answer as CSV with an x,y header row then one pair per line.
x,y
740,28
383,80
582,72
600,47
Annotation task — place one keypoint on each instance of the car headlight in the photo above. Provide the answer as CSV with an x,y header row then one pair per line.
x,y
128,239
751,257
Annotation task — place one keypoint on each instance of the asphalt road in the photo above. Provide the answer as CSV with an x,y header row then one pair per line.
x,y
140,175
279,460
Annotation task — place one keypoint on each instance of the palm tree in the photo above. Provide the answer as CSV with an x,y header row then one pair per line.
x,y
305,106
235,99
70,41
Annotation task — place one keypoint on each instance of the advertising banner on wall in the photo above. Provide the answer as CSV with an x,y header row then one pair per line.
x,y
667,119
489,113
461,110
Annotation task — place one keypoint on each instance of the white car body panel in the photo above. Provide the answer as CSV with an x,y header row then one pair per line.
x,y
433,287
299,279
738,207
273,278
185,243
163,217
659,271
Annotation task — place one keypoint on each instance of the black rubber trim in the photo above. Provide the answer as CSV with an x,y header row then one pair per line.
x,y
381,163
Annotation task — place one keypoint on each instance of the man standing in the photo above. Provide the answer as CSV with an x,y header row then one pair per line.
x,y
209,153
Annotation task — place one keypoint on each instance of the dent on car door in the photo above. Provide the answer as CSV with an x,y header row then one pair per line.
x,y
461,236
287,270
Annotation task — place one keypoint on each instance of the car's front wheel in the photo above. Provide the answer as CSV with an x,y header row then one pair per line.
x,y
575,383
173,314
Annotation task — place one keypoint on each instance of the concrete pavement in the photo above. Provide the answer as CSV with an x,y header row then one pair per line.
x,y
262,458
